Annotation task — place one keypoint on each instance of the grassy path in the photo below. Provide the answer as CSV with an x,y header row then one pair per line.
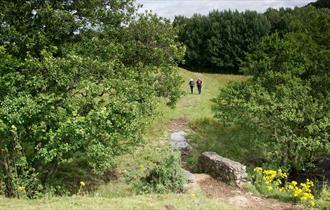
x,y
190,107
194,106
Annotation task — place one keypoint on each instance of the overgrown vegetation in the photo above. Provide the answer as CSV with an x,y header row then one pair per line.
x,y
286,103
78,83
220,40
278,117
153,169
80,80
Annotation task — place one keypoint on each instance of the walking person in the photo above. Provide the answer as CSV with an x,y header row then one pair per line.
x,y
199,83
191,84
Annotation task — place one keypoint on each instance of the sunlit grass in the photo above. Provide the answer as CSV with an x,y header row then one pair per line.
x,y
191,107
194,106
141,202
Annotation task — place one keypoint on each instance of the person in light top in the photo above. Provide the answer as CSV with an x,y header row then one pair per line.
x,y
191,84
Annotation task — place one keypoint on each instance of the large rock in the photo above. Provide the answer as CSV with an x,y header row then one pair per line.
x,y
179,141
222,168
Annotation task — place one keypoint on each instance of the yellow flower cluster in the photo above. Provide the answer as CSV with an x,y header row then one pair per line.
x,y
272,179
302,191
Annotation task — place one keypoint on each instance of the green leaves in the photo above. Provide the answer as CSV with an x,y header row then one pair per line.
x,y
221,39
287,98
78,82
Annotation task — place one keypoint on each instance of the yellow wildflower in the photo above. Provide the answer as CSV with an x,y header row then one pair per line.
x,y
258,169
282,174
297,192
269,188
294,183
82,184
21,188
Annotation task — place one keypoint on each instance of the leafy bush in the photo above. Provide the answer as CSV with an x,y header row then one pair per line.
x,y
73,95
154,170
286,102
220,40
324,198
236,143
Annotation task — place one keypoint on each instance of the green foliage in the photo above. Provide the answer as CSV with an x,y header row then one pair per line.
x,y
154,170
221,39
287,101
323,201
321,4
236,143
73,96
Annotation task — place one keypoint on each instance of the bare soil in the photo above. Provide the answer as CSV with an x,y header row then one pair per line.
x,y
236,196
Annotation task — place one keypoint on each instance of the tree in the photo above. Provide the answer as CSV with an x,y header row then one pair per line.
x,y
221,39
73,96
232,35
193,32
286,102
321,4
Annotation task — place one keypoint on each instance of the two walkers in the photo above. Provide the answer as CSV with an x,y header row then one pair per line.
x,y
199,83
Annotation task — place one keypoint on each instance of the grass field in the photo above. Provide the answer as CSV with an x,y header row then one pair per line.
x,y
194,106
191,107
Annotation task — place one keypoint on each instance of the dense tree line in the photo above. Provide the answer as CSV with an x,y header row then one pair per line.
x,y
286,103
78,82
220,40
321,4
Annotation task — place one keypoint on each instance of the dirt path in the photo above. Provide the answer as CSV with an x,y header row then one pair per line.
x,y
237,197
229,194
179,124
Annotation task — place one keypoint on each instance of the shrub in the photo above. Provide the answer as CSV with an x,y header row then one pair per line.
x,y
324,198
153,170
74,97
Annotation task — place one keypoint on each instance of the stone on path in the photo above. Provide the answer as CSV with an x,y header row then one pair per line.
x,y
179,141
222,168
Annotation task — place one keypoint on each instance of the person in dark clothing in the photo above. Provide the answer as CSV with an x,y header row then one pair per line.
x,y
191,84
199,83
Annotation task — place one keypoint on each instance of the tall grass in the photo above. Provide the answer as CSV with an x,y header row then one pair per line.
x,y
235,143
